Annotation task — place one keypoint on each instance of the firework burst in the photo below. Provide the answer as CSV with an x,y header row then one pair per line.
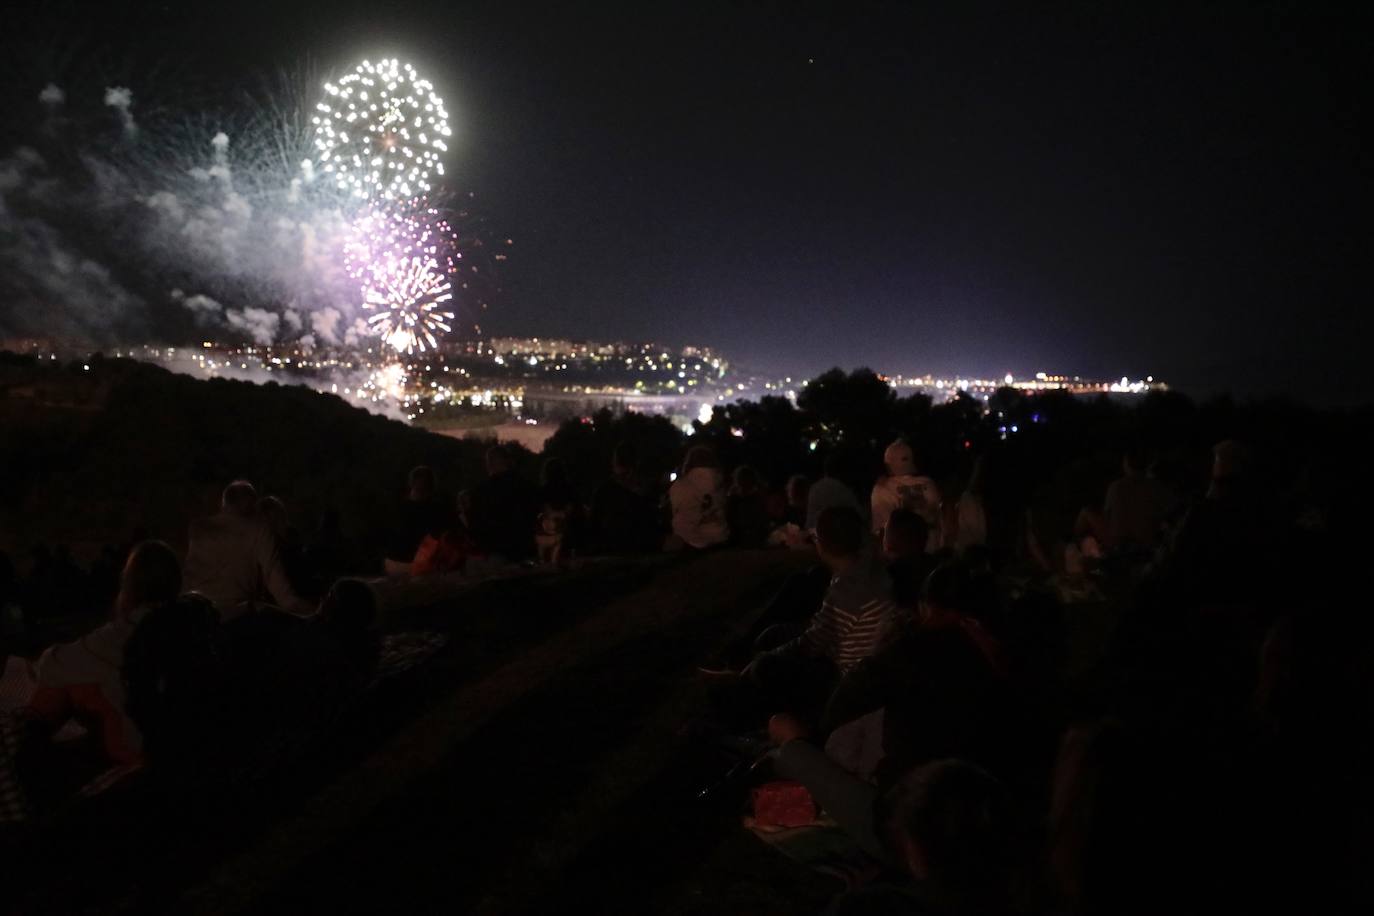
x,y
409,299
380,131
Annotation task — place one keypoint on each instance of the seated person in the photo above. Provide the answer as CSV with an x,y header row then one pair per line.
x,y
698,501
447,552
903,486
941,681
504,509
421,514
233,560
856,616
82,680
624,518
830,491
904,549
747,508
559,528
948,830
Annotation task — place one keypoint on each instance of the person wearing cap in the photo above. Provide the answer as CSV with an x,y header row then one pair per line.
x,y
903,486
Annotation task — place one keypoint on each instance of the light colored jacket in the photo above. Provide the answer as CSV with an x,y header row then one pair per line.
x,y
233,560
698,499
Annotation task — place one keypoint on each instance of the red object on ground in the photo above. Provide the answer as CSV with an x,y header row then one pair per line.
x,y
783,804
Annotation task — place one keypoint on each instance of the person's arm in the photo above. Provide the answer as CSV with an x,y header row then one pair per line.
x,y
864,689
274,577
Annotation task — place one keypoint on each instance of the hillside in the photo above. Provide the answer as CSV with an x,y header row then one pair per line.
x,y
99,455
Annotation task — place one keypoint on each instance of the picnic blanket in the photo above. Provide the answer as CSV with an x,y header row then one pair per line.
x,y
822,846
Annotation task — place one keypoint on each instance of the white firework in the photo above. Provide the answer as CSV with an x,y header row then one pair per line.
x,y
379,132
408,296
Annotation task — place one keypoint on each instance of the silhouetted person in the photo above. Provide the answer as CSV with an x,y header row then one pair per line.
x,y
830,492
504,508
904,549
233,559
1136,506
698,501
941,681
855,619
561,523
747,508
421,513
903,486
82,680
948,825
290,544
624,519
798,492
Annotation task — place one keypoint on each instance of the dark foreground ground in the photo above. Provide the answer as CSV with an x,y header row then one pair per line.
x,y
534,765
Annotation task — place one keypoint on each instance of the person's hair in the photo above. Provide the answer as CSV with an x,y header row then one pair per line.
x,y
746,478
240,496
151,576
422,478
1136,456
498,459
699,456
836,464
554,473
799,482
271,507
625,457
840,531
175,670
959,818
909,527
948,587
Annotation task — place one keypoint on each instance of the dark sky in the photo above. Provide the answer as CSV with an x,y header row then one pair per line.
x,y
1103,189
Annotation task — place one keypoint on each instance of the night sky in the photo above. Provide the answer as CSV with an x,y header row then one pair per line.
x,y
1087,188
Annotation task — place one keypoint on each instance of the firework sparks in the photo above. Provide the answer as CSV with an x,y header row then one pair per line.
x,y
380,132
408,296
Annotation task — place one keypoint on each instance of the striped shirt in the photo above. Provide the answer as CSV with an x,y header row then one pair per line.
x,y
857,618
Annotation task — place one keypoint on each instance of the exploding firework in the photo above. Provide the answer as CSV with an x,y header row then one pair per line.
x,y
408,296
380,131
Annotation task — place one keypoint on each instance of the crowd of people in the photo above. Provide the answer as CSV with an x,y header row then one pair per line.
x,y
907,679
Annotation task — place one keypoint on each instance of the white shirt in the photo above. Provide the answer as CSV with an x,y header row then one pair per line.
x,y
233,560
698,499
907,491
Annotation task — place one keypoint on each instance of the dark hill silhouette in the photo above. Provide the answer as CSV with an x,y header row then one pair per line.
x,y
95,456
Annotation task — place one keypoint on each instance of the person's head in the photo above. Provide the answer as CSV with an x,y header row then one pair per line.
x,y
798,486
949,824
946,593
699,456
839,536
175,671
899,459
421,483
498,461
151,577
905,535
625,459
746,480
273,512
239,498
554,473
1135,460
349,604
1101,819
836,465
